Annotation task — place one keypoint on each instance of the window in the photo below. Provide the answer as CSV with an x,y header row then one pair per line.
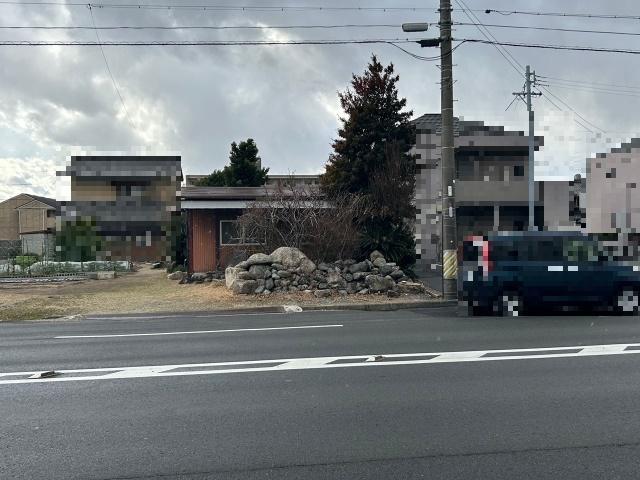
x,y
232,234
581,251
128,190
518,170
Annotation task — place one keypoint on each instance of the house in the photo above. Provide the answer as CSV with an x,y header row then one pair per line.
x,y
214,238
30,219
132,199
613,190
491,186
564,204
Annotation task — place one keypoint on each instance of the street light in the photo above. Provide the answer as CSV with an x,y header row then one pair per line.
x,y
415,27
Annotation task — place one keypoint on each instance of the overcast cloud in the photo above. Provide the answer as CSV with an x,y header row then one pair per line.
x,y
196,100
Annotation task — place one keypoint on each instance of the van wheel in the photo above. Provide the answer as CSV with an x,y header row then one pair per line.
x,y
628,301
509,304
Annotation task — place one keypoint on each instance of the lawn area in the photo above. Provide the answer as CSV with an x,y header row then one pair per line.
x,y
146,291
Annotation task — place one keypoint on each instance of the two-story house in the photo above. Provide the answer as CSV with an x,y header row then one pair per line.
x,y
133,201
491,187
30,220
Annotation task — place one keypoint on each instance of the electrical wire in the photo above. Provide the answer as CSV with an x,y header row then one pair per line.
x,y
204,27
150,6
578,48
552,29
580,82
489,36
596,90
115,85
546,89
560,14
80,43
496,44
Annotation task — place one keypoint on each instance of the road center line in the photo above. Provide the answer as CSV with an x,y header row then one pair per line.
x,y
194,332
345,361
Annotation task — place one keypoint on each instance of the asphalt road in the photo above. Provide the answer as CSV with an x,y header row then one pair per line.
x,y
139,398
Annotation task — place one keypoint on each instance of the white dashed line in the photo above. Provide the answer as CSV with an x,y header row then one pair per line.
x,y
275,365
194,332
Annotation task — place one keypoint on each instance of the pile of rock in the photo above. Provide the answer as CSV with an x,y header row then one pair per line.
x,y
289,270
216,277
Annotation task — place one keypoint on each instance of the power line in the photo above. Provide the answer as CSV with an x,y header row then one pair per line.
x,y
596,90
552,29
579,82
498,44
204,27
81,43
560,14
115,85
488,35
578,48
572,109
148,6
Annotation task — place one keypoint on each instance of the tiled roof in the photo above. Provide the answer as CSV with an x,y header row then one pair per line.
x,y
432,122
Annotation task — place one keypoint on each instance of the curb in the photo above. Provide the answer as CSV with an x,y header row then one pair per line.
x,y
382,307
272,309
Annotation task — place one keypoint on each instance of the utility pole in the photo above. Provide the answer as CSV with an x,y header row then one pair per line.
x,y
449,239
449,233
530,81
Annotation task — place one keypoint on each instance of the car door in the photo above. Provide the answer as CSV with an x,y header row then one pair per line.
x,y
548,271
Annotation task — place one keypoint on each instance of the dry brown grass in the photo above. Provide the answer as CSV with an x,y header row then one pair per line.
x,y
146,291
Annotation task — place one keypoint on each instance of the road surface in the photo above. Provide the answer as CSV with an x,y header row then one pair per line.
x,y
408,394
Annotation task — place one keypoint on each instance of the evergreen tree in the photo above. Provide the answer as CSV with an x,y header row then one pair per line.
x,y
371,157
244,169
374,118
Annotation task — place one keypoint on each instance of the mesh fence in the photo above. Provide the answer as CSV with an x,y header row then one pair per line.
x,y
37,257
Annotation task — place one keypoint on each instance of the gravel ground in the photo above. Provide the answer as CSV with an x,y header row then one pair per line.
x,y
148,291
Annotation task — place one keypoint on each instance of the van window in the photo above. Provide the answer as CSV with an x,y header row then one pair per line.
x,y
581,251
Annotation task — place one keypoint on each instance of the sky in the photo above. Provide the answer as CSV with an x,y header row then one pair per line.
x,y
195,100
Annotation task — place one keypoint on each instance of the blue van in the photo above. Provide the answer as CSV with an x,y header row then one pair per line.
x,y
507,272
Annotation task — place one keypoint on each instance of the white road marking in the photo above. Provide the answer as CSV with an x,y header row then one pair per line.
x,y
274,365
193,332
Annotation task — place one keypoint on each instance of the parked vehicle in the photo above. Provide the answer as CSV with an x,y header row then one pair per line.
x,y
508,272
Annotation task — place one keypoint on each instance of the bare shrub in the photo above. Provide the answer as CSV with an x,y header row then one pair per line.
x,y
290,215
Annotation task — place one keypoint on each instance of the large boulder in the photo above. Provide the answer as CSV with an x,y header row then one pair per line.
x,y
386,268
244,286
176,275
359,267
259,259
244,275
259,271
231,275
410,287
379,262
306,266
288,256
378,283
334,279
376,254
